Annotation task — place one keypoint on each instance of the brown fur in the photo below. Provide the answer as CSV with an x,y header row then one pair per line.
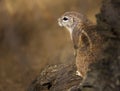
x,y
88,43
89,48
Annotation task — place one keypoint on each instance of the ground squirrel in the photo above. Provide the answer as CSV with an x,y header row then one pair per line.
x,y
87,42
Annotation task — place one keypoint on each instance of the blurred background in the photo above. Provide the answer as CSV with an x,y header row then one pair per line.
x,y
30,38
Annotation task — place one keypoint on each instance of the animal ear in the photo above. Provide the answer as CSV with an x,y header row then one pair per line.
x,y
74,20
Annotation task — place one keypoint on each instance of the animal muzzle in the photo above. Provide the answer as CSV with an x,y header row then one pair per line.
x,y
60,23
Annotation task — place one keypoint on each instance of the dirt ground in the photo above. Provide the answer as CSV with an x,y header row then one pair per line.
x,y
30,38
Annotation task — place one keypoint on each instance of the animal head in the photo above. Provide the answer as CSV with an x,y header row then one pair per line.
x,y
70,20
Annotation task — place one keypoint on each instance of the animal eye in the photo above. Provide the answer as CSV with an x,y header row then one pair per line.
x,y
65,18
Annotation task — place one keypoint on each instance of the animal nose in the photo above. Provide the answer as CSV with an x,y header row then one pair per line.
x,y
59,22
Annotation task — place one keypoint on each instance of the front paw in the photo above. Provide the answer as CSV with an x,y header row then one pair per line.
x,y
79,74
